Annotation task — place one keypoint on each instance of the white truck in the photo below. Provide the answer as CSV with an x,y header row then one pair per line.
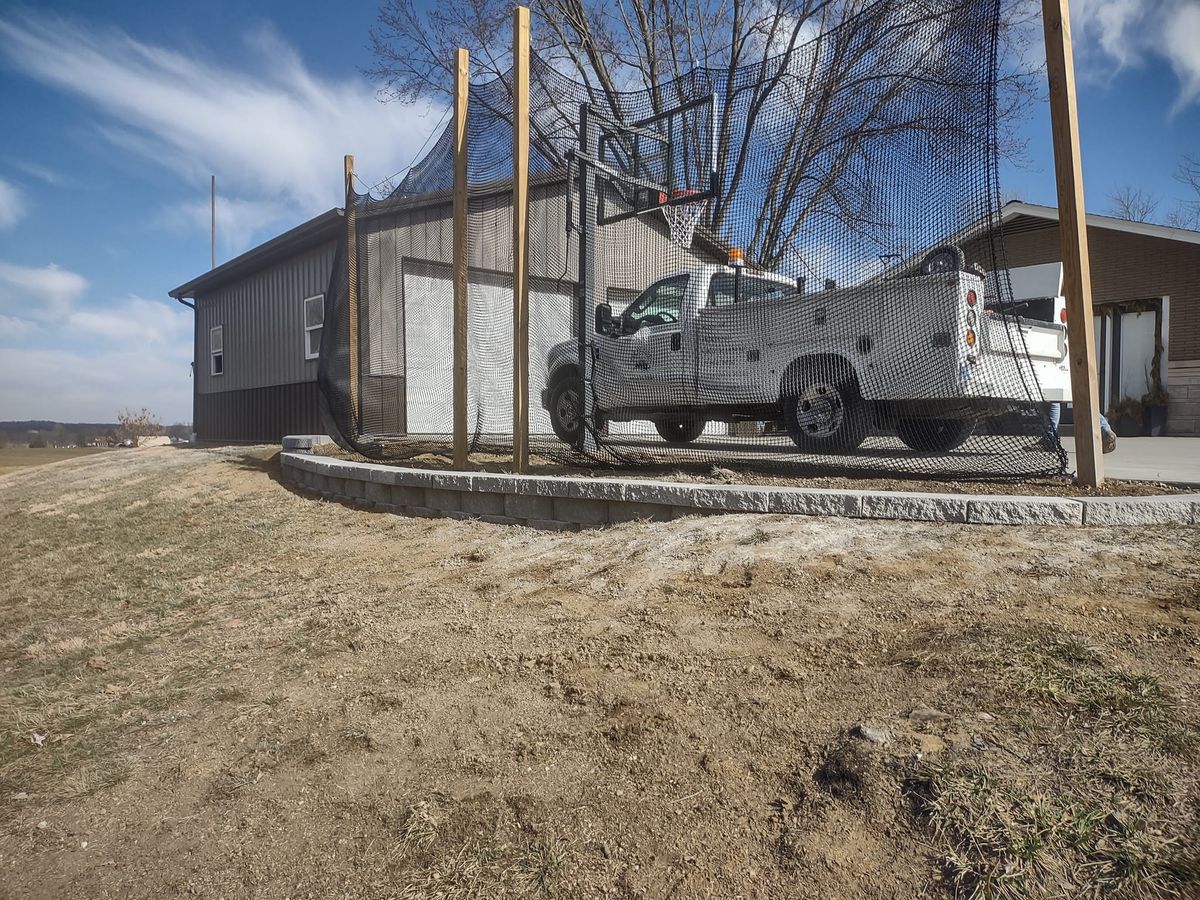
x,y
927,357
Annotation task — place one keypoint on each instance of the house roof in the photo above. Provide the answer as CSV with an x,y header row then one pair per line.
x,y
1017,208
316,230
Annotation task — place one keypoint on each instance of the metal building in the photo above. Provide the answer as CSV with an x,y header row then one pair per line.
x,y
258,317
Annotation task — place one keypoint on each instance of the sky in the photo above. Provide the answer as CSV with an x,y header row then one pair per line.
x,y
116,114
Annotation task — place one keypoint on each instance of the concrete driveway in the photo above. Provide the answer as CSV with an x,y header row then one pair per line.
x,y
1171,459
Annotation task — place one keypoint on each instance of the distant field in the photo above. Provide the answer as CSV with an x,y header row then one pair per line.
x,y
13,458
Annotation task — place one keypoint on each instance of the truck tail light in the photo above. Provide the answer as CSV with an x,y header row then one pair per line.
x,y
970,337
971,298
1062,315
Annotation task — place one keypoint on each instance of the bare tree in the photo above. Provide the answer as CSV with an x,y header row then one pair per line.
x,y
848,72
136,424
1133,204
1186,213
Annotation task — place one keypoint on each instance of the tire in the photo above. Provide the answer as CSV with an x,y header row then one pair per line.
x,y
680,429
934,435
823,410
564,409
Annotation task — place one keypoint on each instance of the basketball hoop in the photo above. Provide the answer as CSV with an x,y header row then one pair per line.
x,y
682,216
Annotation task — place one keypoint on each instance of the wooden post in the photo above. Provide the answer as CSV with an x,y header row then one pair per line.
x,y
461,91
352,290
1072,229
520,205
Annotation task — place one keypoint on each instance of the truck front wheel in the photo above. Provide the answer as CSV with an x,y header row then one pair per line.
x,y
822,408
680,429
934,435
564,409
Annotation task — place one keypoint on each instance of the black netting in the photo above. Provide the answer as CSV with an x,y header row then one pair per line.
x,y
872,325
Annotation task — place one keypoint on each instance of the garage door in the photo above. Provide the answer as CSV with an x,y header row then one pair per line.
x,y
428,339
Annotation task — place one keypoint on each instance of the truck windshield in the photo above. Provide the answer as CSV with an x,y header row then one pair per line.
x,y
723,289
659,304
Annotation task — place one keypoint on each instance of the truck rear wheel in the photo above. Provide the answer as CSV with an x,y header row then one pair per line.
x,y
823,410
934,435
680,429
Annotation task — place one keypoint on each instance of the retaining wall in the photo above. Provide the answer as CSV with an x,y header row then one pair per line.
x,y
543,501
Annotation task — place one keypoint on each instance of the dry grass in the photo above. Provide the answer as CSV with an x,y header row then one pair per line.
x,y
240,691
13,459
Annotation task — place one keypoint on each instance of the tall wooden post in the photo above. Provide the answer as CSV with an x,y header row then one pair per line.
x,y
461,91
1072,229
352,291
520,205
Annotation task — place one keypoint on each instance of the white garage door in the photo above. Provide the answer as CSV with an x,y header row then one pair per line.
x,y
428,339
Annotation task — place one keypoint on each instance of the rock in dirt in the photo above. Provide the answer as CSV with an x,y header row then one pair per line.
x,y
873,733
928,715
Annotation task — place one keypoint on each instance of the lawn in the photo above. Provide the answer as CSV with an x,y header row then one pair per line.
x,y
211,685
14,458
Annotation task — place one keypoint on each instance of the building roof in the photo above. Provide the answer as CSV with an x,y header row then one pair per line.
x,y
316,230
328,226
1017,208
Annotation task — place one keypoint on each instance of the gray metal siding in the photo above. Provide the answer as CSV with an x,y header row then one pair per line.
x,y
263,320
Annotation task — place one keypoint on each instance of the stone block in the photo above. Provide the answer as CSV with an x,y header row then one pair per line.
x,y
443,499
482,503
815,502
596,488
553,525
377,493
631,511
525,506
1170,509
914,506
580,511
403,495
987,510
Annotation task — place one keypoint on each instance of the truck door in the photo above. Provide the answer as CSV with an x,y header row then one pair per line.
x,y
642,366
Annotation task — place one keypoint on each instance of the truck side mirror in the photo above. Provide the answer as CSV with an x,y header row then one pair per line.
x,y
603,319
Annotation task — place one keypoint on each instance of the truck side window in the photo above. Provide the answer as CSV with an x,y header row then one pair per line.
x,y
723,289
659,304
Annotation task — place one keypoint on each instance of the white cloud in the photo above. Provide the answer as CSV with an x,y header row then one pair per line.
x,y
41,173
1181,47
1111,35
238,220
40,294
83,362
12,205
273,133
69,385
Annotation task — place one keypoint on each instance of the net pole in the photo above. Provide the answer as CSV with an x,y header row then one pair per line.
x,y
1072,231
587,271
520,188
352,290
461,91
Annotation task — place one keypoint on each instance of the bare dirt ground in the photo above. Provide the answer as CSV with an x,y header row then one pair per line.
x,y
212,686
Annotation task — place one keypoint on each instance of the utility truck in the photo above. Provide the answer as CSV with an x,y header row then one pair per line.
x,y
927,357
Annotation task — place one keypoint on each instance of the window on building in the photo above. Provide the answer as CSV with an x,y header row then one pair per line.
x,y
216,350
314,321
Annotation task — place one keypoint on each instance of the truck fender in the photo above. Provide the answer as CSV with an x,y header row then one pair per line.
x,y
831,363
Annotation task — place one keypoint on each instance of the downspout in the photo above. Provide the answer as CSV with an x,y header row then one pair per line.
x,y
192,307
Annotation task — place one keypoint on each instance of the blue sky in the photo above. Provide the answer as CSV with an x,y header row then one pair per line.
x,y
117,113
